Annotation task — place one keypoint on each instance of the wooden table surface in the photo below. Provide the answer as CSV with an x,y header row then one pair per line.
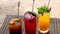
x,y
54,26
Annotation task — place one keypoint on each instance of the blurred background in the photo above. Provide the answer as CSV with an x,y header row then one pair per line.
x,y
9,7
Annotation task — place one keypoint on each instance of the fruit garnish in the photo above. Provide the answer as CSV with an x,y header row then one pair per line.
x,y
12,21
17,19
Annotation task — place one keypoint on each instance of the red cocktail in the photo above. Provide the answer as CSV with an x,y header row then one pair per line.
x,y
30,23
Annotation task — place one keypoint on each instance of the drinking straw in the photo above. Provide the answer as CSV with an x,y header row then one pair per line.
x,y
48,3
33,5
18,8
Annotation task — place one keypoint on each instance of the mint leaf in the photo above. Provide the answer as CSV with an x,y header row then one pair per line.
x,y
42,9
45,9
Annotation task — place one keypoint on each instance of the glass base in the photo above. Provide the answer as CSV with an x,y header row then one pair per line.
x,y
43,31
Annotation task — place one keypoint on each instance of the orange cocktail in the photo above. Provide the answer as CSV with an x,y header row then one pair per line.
x,y
43,19
43,22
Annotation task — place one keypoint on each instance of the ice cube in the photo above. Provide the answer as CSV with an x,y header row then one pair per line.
x,y
29,16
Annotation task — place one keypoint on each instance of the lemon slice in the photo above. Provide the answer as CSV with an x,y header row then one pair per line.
x,y
12,20
16,19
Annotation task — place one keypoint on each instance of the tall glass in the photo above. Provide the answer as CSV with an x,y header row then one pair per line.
x,y
30,23
15,26
43,22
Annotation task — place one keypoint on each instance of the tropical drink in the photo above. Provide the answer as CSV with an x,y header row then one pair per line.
x,y
43,19
43,22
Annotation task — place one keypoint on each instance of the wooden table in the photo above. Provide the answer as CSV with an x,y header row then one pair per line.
x,y
54,26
